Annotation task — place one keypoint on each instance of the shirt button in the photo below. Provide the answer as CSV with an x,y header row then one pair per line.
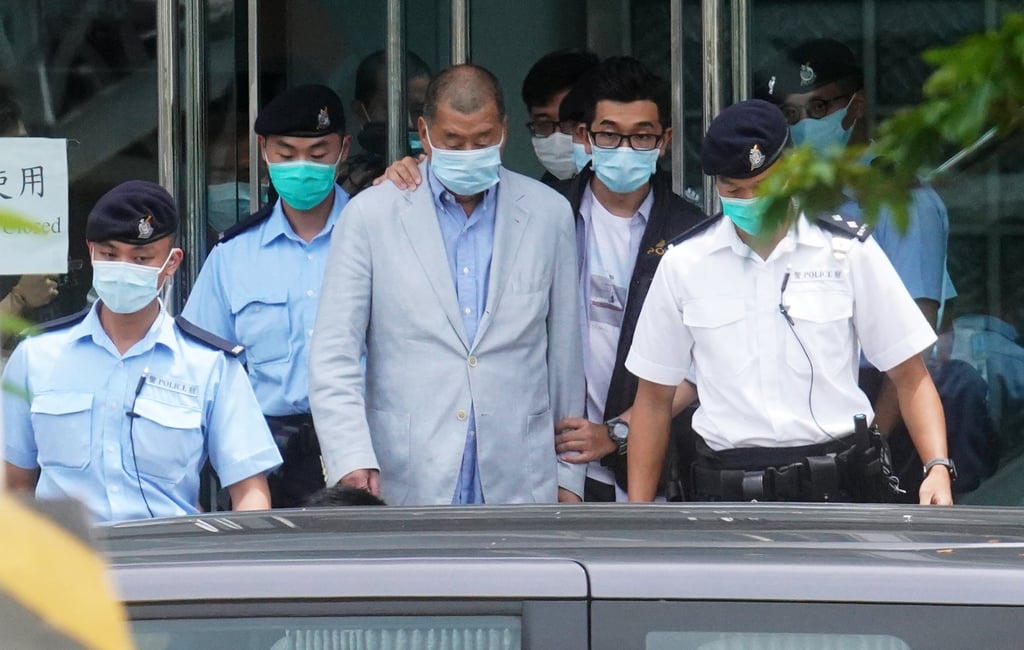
x,y
468,311
309,333
311,293
115,489
460,414
472,362
309,257
120,364
465,270
110,449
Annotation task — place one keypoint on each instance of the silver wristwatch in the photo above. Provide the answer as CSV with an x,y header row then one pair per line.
x,y
947,462
618,431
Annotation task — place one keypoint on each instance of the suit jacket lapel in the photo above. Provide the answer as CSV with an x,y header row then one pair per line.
x,y
510,225
419,220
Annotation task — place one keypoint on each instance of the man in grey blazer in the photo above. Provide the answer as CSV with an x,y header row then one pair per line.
x,y
463,294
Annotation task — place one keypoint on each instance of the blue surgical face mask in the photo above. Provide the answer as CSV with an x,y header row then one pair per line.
x,y
466,171
303,184
624,169
126,288
822,134
746,214
580,156
226,203
555,154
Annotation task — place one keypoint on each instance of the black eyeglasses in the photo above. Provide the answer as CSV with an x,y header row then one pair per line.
x,y
816,108
544,128
636,141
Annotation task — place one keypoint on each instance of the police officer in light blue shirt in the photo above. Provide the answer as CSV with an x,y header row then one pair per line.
x,y
120,405
261,284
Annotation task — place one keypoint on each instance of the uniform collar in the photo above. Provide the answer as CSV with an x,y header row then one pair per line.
x,y
801,233
277,225
160,332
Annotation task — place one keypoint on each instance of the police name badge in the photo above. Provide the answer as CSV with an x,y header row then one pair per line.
x,y
757,157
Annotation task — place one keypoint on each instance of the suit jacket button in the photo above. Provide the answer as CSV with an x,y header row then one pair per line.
x,y
460,414
472,362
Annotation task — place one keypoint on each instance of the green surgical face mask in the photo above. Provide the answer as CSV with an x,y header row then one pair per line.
x,y
747,214
303,184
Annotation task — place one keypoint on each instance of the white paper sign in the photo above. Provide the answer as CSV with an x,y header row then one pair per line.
x,y
34,186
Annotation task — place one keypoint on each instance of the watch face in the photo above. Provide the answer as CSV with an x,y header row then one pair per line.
x,y
620,430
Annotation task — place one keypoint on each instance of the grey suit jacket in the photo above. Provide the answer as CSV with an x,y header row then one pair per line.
x,y
388,285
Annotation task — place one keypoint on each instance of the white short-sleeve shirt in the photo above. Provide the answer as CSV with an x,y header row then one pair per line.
x,y
716,303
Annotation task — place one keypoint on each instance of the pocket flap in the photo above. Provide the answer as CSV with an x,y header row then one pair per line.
x,y
167,415
270,297
821,306
713,312
61,403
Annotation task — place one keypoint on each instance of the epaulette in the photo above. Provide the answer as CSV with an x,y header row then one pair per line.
x,y
209,339
57,323
251,221
693,231
844,225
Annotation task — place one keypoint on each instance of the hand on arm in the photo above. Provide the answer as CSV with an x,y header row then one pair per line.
x,y
648,438
363,479
404,173
580,441
922,411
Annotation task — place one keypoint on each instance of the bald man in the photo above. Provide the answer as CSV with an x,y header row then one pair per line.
x,y
463,293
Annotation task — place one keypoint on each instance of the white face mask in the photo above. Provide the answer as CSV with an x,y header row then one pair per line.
x,y
126,288
555,153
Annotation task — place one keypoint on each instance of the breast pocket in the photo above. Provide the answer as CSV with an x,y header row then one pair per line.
x,y
62,422
721,343
263,326
821,320
168,441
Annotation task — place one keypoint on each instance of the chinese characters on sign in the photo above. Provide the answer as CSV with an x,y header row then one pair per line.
x,y
33,188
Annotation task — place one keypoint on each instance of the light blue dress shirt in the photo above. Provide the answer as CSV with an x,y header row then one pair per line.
x,y
469,243
66,413
261,289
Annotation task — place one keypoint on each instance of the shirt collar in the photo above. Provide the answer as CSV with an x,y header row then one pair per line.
x,y
160,332
643,212
800,233
277,224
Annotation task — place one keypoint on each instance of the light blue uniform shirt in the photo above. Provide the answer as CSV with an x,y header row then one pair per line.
x,y
469,243
261,289
66,413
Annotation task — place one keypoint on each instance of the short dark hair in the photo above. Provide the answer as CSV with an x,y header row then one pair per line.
x,y
466,88
555,72
625,79
573,106
371,75
342,495
10,112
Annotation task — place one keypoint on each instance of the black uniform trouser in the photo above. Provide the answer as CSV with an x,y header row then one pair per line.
x,y
301,474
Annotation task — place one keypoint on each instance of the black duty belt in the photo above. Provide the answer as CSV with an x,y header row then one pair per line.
x,y
818,472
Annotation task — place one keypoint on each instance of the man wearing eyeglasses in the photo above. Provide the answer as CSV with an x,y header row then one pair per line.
x,y
545,86
819,86
625,214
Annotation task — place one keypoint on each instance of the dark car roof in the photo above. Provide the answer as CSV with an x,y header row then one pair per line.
x,y
733,552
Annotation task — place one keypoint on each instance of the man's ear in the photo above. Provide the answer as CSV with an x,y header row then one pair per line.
x,y
581,133
346,144
176,257
855,113
665,142
421,126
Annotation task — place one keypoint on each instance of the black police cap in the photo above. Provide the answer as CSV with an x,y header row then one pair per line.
x,y
135,212
307,111
744,140
806,67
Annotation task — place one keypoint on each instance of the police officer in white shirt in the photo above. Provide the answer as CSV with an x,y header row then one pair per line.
x,y
772,320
